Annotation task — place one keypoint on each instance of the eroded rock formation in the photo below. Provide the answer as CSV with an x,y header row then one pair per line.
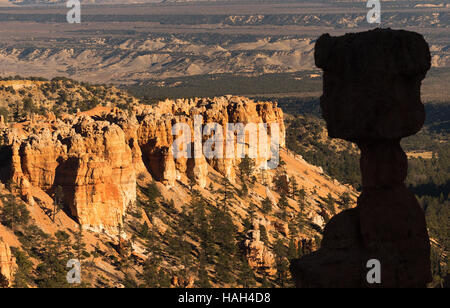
x,y
372,97
258,254
96,156
7,262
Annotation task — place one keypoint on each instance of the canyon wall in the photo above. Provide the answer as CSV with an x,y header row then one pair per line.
x,y
96,156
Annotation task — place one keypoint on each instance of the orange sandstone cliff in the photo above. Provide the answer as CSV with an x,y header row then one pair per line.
x,y
7,261
97,156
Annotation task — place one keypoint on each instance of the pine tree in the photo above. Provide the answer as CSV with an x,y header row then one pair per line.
x,y
299,251
28,105
24,268
225,232
17,112
180,248
95,254
329,202
302,194
129,282
64,244
152,194
203,277
201,229
263,234
150,273
246,168
192,182
282,267
246,275
226,192
280,181
281,263
292,250
283,203
279,248
163,279
58,204
317,241
223,267
294,187
265,284
324,214
144,230
345,200
267,206
293,230
301,204
14,213
263,176
251,211
79,245
247,224
51,272
244,190
4,282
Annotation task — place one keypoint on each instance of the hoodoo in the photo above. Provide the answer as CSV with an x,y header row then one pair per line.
x,y
7,262
96,156
371,96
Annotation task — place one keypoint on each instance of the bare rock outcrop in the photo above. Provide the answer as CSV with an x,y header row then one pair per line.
x,y
7,262
372,97
96,156
155,134
90,160
258,254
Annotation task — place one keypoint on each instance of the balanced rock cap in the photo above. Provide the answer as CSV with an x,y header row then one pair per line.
x,y
372,83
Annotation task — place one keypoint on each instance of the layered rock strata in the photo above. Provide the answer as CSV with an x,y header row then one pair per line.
x,y
97,156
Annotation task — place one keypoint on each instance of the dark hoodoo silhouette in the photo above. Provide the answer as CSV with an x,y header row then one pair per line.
x,y
371,96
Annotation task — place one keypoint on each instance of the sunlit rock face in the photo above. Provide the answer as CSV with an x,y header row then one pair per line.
x,y
96,156
7,262
258,254
371,96
155,134
91,161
